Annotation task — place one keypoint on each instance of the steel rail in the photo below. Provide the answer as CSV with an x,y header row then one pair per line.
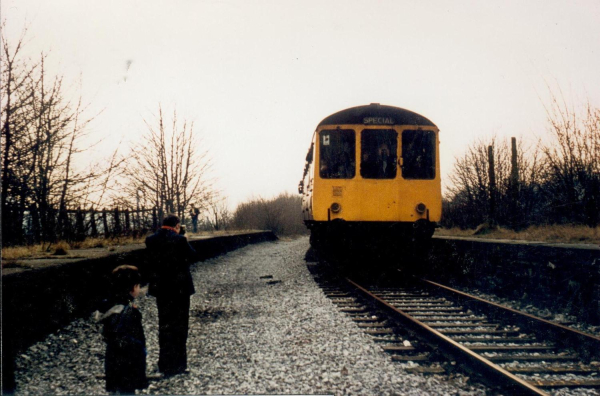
x,y
586,344
491,372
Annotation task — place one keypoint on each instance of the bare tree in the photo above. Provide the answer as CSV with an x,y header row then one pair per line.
x,y
470,183
169,169
217,213
468,198
41,134
572,162
16,99
557,181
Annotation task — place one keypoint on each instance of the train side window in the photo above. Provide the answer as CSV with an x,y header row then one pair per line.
x,y
418,155
337,154
378,153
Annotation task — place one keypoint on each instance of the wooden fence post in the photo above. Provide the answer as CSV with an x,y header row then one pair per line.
x,y
142,217
154,219
105,223
117,216
94,231
35,223
64,225
79,227
514,186
127,223
492,177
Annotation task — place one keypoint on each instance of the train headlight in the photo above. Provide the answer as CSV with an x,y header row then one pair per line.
x,y
336,207
421,208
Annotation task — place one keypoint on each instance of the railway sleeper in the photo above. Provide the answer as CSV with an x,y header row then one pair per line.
x,y
529,358
330,295
460,338
410,358
371,325
456,325
380,331
410,295
363,319
394,348
457,319
354,310
395,340
422,305
448,315
553,369
348,305
595,383
468,331
493,348
425,370
430,309
413,301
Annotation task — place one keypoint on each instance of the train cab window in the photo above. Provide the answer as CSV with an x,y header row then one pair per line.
x,y
378,153
418,155
337,154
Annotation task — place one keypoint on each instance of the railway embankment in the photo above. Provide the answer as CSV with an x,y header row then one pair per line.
x,y
40,296
558,277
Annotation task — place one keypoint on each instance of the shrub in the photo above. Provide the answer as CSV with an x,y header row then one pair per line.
x,y
281,215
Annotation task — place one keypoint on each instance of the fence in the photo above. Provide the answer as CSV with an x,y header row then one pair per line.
x,y
77,224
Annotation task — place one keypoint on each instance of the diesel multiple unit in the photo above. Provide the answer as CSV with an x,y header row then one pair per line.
x,y
372,171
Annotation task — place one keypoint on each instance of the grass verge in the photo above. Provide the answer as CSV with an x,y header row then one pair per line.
x,y
552,234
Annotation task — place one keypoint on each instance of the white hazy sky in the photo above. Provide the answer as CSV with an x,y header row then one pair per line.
x,y
256,77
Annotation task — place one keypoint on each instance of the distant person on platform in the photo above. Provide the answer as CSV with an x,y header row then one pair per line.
x,y
125,360
170,256
194,213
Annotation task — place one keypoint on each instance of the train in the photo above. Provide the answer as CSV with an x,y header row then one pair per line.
x,y
372,172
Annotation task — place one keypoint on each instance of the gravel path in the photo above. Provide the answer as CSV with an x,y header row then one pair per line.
x,y
248,335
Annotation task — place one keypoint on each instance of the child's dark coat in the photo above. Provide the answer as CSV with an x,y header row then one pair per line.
x,y
125,362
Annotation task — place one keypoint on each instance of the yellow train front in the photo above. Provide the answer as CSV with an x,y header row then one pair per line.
x,y
372,173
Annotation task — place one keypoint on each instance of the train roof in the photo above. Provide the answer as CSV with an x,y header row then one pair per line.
x,y
376,114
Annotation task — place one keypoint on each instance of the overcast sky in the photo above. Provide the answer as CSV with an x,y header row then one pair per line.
x,y
256,77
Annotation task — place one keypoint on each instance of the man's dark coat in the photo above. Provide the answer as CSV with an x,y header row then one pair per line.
x,y
169,258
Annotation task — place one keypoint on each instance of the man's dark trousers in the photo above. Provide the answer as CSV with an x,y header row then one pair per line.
x,y
173,318
169,258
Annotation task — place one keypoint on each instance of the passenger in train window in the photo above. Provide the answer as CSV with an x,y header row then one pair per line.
x,y
368,167
347,162
324,169
386,163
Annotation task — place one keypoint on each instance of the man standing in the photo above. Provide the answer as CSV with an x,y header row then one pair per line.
x,y
170,256
194,213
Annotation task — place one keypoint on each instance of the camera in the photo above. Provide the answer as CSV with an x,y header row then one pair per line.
x,y
182,230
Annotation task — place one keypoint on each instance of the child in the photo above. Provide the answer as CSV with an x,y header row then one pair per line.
x,y
125,362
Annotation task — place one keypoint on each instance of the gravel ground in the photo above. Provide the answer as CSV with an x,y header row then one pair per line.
x,y
248,335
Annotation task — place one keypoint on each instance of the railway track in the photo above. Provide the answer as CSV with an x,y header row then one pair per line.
x,y
447,329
